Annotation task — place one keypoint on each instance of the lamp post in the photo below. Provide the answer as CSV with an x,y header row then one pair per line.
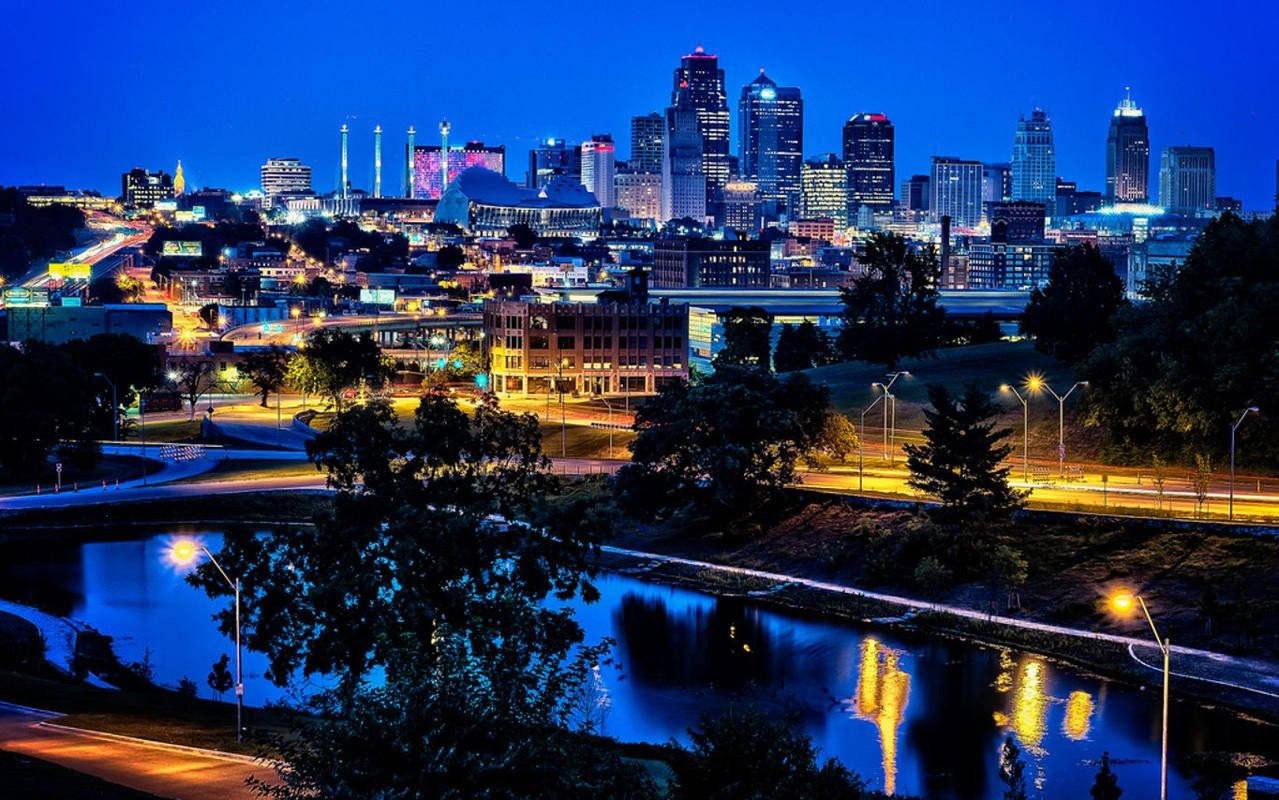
x,y
861,439
559,385
115,407
889,447
609,405
1034,383
1025,427
186,551
1233,428
1123,603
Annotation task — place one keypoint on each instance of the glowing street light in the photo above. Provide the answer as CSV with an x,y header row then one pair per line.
x,y
1035,384
1233,428
185,552
887,388
1025,441
861,440
1122,603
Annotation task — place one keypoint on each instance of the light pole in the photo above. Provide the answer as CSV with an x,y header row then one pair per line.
x,y
609,405
115,407
559,385
1233,428
889,449
1036,382
1025,427
186,551
861,439
1123,603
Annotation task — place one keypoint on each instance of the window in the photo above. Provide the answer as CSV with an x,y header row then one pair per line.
x,y
565,324
538,343
568,342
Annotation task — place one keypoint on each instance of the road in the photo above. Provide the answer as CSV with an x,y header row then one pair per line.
x,y
94,254
153,767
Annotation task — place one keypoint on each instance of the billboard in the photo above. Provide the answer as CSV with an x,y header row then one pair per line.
x,y
178,249
23,296
378,297
69,271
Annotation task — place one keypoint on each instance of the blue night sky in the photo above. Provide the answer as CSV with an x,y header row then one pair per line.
x,y
96,88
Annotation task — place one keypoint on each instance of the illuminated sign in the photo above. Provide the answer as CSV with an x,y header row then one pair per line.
x,y
378,297
69,271
166,205
182,249
21,296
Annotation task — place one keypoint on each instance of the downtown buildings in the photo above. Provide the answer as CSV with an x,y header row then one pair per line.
x,y
598,169
140,188
1188,180
428,167
824,190
1034,164
699,92
868,157
1128,155
771,145
283,177
955,191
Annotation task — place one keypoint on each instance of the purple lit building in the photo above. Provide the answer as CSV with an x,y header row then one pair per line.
x,y
427,177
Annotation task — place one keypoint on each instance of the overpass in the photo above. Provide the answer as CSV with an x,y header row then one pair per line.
x,y
394,330
822,305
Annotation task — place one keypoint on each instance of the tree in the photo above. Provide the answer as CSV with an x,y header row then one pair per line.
x,y
220,678
891,311
333,361
525,237
127,362
837,437
48,403
266,369
747,333
724,446
1106,786
1201,480
1012,770
194,378
1075,311
450,256
801,347
744,754
960,461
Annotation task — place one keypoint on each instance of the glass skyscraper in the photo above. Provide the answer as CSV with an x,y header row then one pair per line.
x,y
1128,155
700,75
770,121
648,136
868,156
1034,164
955,189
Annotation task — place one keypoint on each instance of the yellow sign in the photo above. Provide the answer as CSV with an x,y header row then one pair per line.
x,y
69,271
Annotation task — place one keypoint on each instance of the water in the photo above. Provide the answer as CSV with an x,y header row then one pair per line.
x,y
913,714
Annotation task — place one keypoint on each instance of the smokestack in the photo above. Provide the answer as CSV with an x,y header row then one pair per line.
x,y
945,247
445,127
410,169
345,187
377,161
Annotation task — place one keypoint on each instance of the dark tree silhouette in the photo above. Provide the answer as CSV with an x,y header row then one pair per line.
x,y
747,334
1075,311
891,311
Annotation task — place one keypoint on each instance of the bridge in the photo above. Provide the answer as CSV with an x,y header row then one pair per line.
x,y
393,331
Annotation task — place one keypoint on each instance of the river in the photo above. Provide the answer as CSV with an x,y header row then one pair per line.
x,y
914,715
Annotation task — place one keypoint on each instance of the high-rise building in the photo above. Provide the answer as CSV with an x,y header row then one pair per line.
x,y
1128,155
915,193
701,81
550,158
598,168
285,176
648,135
141,189
1034,164
683,167
770,121
825,190
1187,180
742,204
955,191
996,183
868,157
1071,201
428,173
640,193
680,262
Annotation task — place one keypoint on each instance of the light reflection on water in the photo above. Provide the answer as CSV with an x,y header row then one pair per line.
x,y
914,715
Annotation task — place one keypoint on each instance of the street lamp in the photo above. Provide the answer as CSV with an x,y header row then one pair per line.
x,y
887,388
1233,428
184,552
1025,441
861,439
115,407
559,385
1035,383
1123,604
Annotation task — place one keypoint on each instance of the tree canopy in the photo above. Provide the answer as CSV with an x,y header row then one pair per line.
x,y
1075,311
747,338
333,361
891,311
802,346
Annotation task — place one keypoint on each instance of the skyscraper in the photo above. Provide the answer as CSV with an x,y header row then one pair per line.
x,y
1128,155
868,157
825,191
915,193
955,191
770,121
598,169
702,81
284,176
550,158
996,183
683,167
648,132
1034,164
1187,180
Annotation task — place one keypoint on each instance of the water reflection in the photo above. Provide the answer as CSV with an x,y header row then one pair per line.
x,y
883,690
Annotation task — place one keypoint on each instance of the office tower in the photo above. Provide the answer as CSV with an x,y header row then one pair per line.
x,y
1128,155
1034,165
1071,201
824,183
741,202
770,121
377,161
551,158
408,163
285,176
955,191
694,262
344,187
432,174
598,168
683,167
141,189
915,193
1187,180
640,193
996,183
648,133
700,80
868,157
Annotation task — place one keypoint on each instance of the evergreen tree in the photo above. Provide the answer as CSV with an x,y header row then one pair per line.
x,y
747,334
891,311
220,678
1075,311
1106,787
801,347
1012,770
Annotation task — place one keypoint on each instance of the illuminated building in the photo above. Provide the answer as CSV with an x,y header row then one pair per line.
x,y
484,203
820,228
1188,180
344,188
429,169
648,135
408,163
914,194
683,167
686,262
598,169
771,126
700,82
142,189
640,193
377,161
1071,201
1016,222
179,180
1128,155
1010,265
1034,164
740,202
551,158
955,191
868,157
996,183
824,190
284,176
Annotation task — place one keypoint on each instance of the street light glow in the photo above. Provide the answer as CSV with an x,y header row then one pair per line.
x,y
182,552
1034,382
1122,602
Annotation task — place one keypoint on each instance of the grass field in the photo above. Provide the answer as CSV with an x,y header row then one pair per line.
x,y
581,441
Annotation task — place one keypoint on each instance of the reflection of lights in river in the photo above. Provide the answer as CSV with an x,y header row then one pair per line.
x,y
1030,706
883,690
1078,717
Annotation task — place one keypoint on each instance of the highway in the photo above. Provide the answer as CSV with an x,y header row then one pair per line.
x,y
95,254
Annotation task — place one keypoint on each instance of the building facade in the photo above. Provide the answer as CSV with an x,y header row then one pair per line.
x,y
701,81
1128,155
996,265
598,169
1016,222
770,120
648,137
551,158
285,176
868,157
683,167
955,190
742,203
684,262
996,183
1188,180
1034,163
824,195
141,189
428,173
639,193
484,203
